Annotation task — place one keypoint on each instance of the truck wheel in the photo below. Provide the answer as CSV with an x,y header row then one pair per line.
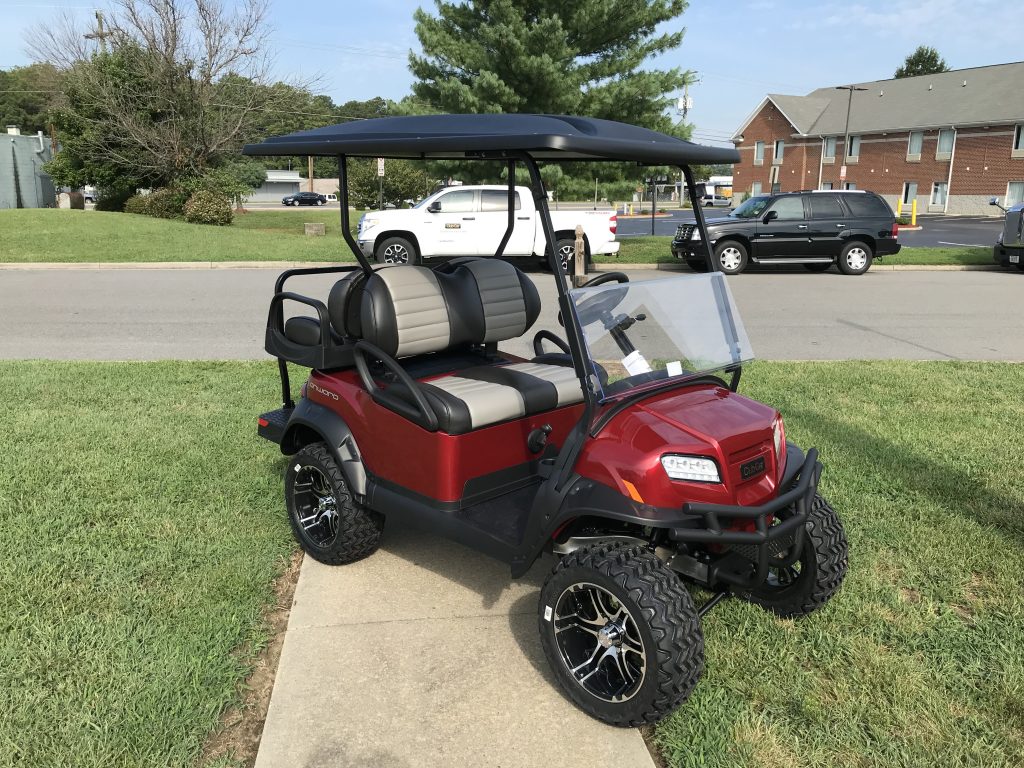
x,y
620,633
855,258
396,250
810,582
567,255
329,525
732,257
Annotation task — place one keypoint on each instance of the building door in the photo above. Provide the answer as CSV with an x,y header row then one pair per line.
x,y
909,192
773,179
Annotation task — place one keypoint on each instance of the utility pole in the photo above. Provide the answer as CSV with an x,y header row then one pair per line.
x,y
100,34
849,104
309,173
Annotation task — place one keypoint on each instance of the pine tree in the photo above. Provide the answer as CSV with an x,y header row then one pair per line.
x,y
924,61
547,56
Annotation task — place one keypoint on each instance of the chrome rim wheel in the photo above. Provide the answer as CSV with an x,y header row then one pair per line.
x,y
567,255
599,642
396,254
730,258
856,258
316,508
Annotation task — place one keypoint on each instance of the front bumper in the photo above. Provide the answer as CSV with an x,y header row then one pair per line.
x,y
689,249
1007,257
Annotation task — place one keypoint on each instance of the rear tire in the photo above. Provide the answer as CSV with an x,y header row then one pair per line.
x,y
328,524
812,581
396,250
732,257
566,249
621,634
855,258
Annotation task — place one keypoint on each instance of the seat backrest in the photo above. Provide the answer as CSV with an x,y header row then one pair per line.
x,y
343,304
414,310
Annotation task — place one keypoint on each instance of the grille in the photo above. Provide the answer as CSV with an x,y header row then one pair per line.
x,y
684,231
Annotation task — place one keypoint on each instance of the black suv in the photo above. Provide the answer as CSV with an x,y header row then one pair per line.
x,y
813,228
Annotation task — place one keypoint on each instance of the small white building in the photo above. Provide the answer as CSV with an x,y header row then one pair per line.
x,y
278,184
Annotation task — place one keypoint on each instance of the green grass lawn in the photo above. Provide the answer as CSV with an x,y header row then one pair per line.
x,y
272,235
143,527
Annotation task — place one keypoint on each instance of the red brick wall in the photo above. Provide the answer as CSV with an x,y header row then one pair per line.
x,y
982,161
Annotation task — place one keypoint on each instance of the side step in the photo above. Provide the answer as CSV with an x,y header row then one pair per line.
x,y
272,424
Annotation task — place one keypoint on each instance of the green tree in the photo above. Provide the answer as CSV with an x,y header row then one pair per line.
x,y
403,180
26,94
547,56
924,61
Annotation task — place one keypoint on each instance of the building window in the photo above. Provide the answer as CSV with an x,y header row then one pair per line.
x,y
914,146
849,185
939,193
854,150
944,149
1018,142
826,185
755,189
909,192
829,155
780,148
1014,193
758,153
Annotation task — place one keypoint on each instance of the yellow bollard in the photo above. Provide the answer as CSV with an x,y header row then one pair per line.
x,y
899,207
913,214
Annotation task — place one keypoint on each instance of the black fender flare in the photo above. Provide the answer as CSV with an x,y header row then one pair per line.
x,y
310,423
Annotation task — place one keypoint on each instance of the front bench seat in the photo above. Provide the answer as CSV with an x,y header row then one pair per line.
x,y
411,310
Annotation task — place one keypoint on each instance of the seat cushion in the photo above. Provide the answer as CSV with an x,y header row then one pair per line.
x,y
489,394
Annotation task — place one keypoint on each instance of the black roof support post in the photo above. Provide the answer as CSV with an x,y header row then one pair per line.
x,y
698,214
511,209
345,224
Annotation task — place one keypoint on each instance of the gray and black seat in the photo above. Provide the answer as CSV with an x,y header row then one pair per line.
x,y
409,311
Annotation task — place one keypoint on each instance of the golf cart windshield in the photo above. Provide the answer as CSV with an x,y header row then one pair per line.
x,y
652,331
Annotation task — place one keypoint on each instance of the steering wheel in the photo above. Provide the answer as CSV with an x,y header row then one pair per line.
x,y
600,305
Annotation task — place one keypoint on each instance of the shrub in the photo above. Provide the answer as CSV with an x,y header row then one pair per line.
x,y
206,207
903,221
138,204
76,200
112,199
167,203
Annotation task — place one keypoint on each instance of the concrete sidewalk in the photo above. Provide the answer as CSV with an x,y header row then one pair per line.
x,y
426,654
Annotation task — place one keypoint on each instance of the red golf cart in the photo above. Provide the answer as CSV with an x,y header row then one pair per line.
x,y
625,449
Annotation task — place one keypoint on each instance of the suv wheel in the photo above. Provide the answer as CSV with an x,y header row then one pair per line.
x,y
396,250
621,634
855,258
732,257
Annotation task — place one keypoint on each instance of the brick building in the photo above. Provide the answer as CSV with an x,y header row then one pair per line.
x,y
952,140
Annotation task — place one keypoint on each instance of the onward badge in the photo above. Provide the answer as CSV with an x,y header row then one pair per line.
x,y
325,392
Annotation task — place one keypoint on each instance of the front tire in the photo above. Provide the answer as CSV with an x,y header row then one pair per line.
x,y
396,250
328,523
855,258
732,257
816,576
621,634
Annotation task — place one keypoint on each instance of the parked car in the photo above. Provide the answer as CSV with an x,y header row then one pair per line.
x,y
717,201
1009,248
304,198
331,197
818,228
470,221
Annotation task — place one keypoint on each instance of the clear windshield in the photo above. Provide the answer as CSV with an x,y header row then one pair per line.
x,y
751,208
649,331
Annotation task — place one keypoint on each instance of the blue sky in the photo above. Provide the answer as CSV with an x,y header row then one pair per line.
x,y
741,49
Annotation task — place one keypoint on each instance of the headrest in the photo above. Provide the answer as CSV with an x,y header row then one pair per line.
x,y
343,304
409,310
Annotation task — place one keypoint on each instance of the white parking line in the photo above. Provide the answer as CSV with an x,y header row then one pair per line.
x,y
964,245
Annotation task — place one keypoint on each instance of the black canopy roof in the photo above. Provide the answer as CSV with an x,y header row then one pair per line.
x,y
545,137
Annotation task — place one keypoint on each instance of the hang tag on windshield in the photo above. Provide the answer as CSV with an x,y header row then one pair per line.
x,y
674,368
635,363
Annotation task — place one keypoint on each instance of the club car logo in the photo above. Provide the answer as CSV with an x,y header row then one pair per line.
x,y
752,468
326,393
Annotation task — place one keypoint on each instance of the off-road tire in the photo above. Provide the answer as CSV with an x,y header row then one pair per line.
x,y
358,529
851,248
396,245
665,617
822,567
735,254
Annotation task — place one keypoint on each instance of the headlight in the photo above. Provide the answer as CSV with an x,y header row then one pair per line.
x,y
693,468
368,223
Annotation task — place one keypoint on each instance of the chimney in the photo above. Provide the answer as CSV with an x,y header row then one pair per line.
x,y
12,130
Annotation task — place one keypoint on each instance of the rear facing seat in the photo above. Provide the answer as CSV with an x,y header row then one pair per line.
x,y
407,311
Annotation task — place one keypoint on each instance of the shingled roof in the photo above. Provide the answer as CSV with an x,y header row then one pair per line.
x,y
975,96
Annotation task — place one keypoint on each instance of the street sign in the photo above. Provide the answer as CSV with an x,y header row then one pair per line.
x,y
842,172
380,166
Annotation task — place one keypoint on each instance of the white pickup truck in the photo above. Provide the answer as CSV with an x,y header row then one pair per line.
x,y
470,221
